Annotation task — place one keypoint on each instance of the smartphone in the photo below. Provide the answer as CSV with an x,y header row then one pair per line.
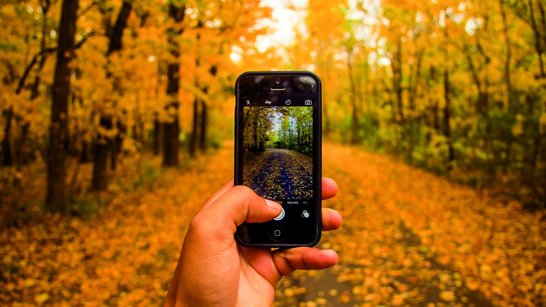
x,y
278,136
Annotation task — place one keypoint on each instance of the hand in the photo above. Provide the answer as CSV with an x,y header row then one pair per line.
x,y
213,270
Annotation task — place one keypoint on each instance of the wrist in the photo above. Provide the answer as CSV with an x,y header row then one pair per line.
x,y
174,301
175,298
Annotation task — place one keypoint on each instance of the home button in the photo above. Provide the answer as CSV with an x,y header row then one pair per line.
x,y
277,234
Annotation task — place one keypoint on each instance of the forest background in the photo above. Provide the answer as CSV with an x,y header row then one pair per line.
x,y
278,127
94,91
455,87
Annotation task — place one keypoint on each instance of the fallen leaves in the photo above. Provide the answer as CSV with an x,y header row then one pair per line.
x,y
412,238
125,255
409,238
448,296
41,298
280,174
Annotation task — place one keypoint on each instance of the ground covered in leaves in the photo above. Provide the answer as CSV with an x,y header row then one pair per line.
x,y
280,174
408,237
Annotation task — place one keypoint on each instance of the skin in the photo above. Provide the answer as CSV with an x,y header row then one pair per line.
x,y
213,270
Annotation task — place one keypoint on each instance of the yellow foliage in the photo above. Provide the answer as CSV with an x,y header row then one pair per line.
x,y
447,296
405,229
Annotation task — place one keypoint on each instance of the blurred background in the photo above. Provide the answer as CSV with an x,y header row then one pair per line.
x,y
117,122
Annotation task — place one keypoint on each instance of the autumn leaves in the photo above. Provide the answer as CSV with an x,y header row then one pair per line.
x,y
280,174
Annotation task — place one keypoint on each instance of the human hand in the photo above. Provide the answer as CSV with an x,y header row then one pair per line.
x,y
213,270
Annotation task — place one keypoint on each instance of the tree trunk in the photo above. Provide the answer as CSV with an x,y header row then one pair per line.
x,y
101,148
205,113
100,167
447,118
397,77
508,58
158,136
171,129
415,78
20,153
194,136
58,130
117,142
114,46
115,42
355,124
103,145
6,142
431,80
203,125
99,181
543,21
114,150
447,106
536,34
535,153
195,128
255,134
86,153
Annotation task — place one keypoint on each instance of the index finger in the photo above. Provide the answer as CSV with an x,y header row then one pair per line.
x,y
329,188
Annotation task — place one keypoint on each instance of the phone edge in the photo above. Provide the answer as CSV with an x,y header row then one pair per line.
x,y
318,235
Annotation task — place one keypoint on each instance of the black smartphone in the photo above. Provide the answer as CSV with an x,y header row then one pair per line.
x,y
278,135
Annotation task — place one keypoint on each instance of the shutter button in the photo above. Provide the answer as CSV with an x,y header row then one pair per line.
x,y
280,216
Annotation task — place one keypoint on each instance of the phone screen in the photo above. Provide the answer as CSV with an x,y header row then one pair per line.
x,y
278,139
278,152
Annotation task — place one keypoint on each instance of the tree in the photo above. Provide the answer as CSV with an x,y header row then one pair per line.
x,y
58,129
12,155
171,128
105,145
197,105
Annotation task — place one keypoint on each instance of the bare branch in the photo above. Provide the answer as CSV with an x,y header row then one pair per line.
x,y
88,8
44,53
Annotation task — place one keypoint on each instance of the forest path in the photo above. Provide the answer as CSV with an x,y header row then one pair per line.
x,y
283,174
412,238
409,238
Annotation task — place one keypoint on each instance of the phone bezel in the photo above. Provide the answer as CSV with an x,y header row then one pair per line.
x,y
317,134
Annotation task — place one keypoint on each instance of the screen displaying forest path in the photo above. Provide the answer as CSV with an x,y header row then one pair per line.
x,y
277,151
280,174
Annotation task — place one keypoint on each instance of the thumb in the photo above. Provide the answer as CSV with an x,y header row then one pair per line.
x,y
239,204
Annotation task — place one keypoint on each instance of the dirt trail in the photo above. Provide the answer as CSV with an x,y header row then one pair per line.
x,y
281,174
409,238
412,238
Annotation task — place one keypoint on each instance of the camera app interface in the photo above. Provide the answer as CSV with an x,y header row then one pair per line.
x,y
277,138
278,151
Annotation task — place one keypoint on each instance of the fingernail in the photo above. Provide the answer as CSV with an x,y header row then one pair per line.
x,y
329,252
273,205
